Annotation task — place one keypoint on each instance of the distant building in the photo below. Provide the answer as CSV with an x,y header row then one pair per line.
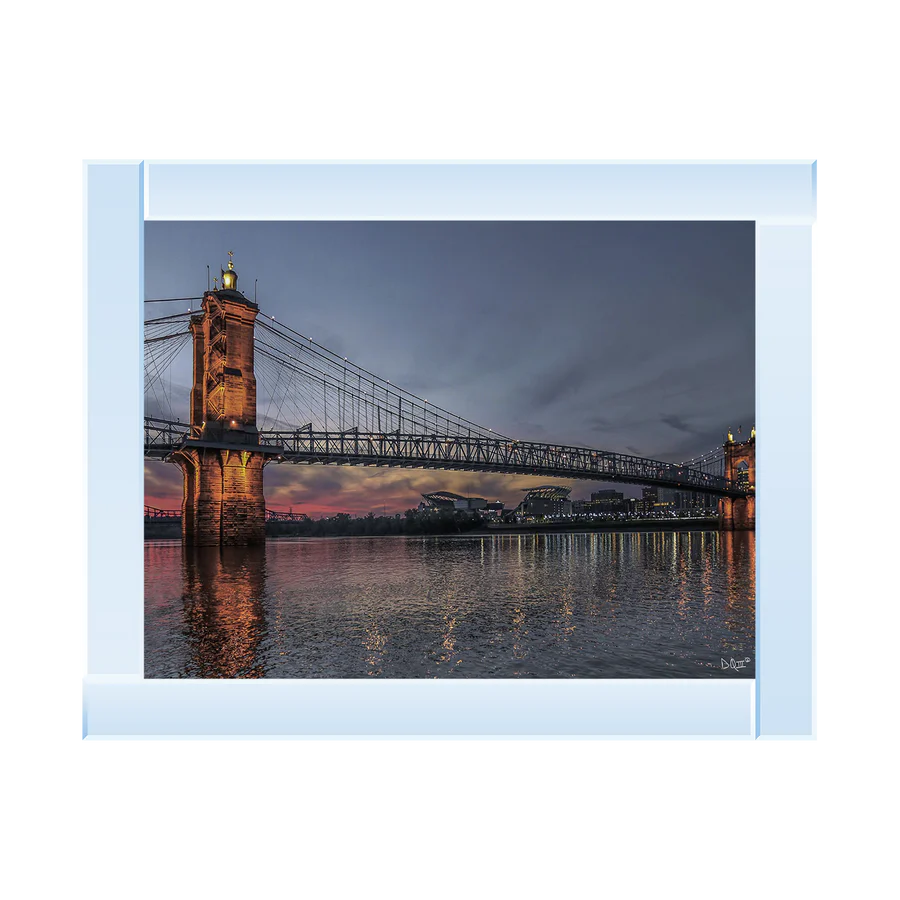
x,y
608,502
667,500
599,496
547,501
693,502
448,500
648,501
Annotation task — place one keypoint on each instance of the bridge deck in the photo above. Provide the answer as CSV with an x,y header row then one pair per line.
x,y
473,454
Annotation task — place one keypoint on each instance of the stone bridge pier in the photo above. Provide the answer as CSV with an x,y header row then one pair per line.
x,y
222,460
739,513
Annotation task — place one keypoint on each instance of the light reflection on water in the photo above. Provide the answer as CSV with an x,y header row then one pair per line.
x,y
600,605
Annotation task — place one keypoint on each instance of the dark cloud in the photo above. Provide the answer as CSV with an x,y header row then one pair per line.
x,y
679,424
614,426
537,432
562,382
707,439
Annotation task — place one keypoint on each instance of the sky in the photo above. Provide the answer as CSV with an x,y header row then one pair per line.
x,y
636,337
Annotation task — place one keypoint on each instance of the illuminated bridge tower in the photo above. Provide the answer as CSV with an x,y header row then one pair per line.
x,y
222,460
739,513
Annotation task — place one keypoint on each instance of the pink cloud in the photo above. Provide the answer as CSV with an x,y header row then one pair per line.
x,y
326,490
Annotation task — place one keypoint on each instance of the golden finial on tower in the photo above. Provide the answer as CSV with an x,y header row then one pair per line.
x,y
730,436
215,282
229,276
753,432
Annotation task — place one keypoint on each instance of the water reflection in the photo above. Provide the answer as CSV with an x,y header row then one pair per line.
x,y
566,619
706,567
374,643
449,655
739,551
548,605
519,633
224,613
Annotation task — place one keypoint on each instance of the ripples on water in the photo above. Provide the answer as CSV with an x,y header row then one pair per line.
x,y
601,605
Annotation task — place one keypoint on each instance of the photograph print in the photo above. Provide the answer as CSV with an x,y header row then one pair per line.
x,y
449,449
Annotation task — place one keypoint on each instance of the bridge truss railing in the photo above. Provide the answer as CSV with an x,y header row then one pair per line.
x,y
488,455
162,436
274,515
153,512
303,445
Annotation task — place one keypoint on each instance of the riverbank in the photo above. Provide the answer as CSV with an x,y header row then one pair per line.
x,y
154,531
161,531
710,524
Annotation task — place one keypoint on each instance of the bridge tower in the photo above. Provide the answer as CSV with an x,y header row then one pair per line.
x,y
222,460
739,513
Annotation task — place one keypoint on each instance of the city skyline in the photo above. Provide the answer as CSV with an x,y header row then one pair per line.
x,y
600,334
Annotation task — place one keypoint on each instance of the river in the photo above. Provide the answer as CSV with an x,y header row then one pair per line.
x,y
583,605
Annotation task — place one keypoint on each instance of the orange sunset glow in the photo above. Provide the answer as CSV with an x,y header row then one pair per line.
x,y
328,490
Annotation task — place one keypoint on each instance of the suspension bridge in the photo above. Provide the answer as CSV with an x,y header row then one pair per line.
x,y
317,407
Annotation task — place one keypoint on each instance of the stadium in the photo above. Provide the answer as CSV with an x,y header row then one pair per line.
x,y
448,500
